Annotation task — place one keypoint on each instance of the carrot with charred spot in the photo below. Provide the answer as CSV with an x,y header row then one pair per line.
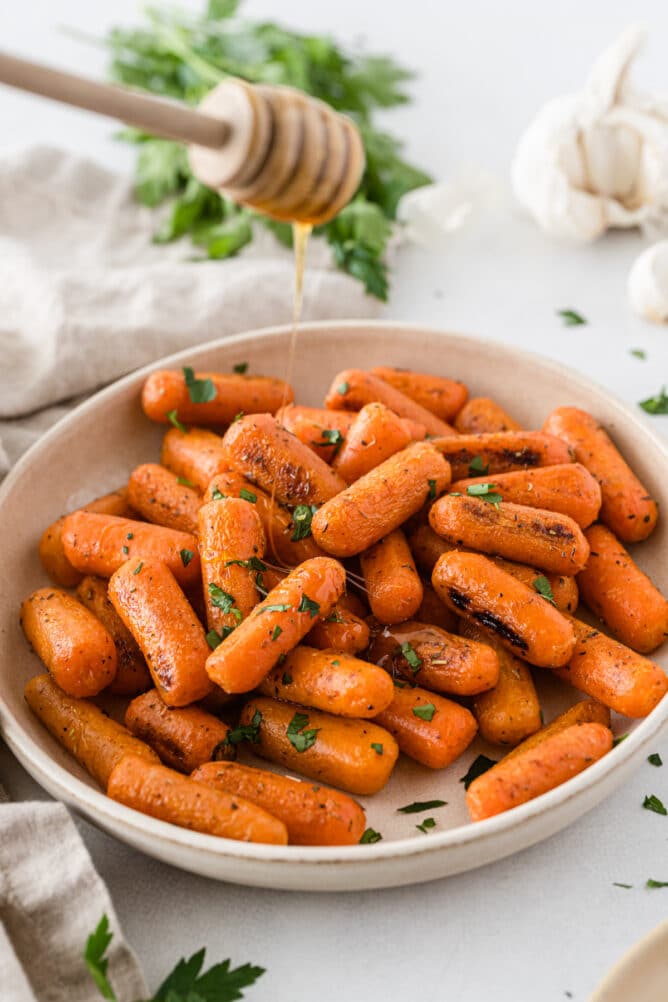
x,y
503,451
183,737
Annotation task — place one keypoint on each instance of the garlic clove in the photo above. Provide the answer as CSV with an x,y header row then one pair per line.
x,y
648,283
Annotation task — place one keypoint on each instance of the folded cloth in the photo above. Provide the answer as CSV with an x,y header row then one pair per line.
x,y
51,899
86,297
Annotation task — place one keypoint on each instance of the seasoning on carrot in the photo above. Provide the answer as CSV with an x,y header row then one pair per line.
x,y
162,793
334,750
380,501
501,452
375,434
619,593
195,455
149,601
442,396
132,675
627,506
342,630
481,415
527,775
184,737
276,625
70,640
96,741
353,389
524,622
393,587
210,398
432,730
313,815
161,497
560,589
587,711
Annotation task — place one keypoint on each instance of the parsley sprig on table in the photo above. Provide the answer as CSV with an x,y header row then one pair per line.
x,y
180,56
186,983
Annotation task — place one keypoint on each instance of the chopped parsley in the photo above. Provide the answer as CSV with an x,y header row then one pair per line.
x,y
652,803
486,492
247,496
618,741
657,404
241,368
656,883
543,587
431,496
308,605
276,634
173,418
654,759
378,748
246,732
217,495
138,567
331,436
224,601
186,556
213,639
418,806
342,388
477,468
370,836
479,765
126,550
334,617
251,564
425,712
414,661
300,738
301,520
426,825
627,887
638,353
200,391
287,679
130,535
571,318
184,482
279,607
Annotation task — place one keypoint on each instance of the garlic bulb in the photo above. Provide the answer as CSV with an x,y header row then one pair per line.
x,y
431,214
648,283
597,159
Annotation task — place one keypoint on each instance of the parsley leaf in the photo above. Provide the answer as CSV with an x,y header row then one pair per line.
x,y
138,568
217,495
543,587
286,679
627,887
276,632
173,418
224,601
247,496
409,653
652,803
246,732
655,759
638,353
378,748
186,556
571,318
301,520
279,607
418,806
426,825
214,639
425,712
431,496
370,836
251,564
342,389
486,492
477,468
618,741
300,739
184,482
479,765
96,962
657,404
241,368
200,391
308,605
331,436
656,883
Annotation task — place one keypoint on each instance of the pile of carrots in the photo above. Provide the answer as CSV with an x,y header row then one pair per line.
x,y
327,588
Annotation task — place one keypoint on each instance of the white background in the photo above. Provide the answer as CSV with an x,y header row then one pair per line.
x,y
548,921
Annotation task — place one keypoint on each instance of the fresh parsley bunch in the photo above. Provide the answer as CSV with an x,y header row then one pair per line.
x,y
182,57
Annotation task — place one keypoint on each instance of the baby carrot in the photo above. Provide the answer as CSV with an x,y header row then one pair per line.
x,y
275,459
184,737
380,501
351,601
149,601
438,660
432,612
482,415
527,775
342,630
313,815
353,388
524,622
322,430
196,455
617,591
353,755
426,546
613,674
530,535
284,542
329,680
432,730
96,741
225,394
393,586
588,711
161,497
276,625
162,793
231,543
443,397
375,434
628,509
563,588
132,675
568,489
510,711
71,642
100,544
502,451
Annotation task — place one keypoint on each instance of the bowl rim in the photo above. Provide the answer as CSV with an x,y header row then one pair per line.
x,y
101,810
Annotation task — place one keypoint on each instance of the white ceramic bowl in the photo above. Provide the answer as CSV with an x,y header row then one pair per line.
x,y
93,450
642,973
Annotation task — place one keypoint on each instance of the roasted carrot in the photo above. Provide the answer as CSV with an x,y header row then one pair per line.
x,y
51,551
100,544
482,415
231,547
352,602
617,591
568,489
276,625
342,630
442,396
166,391
161,497
353,389
380,501
162,793
432,730
132,674
195,455
563,588
527,775
184,737
432,611
529,535
627,507
329,680
393,586
96,741
524,622
613,674
587,711
149,601
283,539
510,711
426,546
322,430
353,755
438,660
313,815
501,452
375,434
72,643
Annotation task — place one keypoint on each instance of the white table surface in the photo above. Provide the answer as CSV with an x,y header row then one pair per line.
x,y
547,923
